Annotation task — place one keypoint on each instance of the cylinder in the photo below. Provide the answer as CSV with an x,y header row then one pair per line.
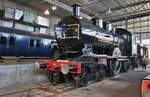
x,y
76,10
97,22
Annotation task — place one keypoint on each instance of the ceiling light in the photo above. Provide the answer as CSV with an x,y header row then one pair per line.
x,y
54,7
46,12
109,11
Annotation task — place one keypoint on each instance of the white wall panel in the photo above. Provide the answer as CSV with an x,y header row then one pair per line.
x,y
1,5
53,22
24,27
43,21
147,42
8,24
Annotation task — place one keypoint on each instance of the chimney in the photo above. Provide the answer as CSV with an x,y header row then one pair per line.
x,y
100,23
76,10
97,22
107,25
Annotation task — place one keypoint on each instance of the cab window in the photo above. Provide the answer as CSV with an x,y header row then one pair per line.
x,y
12,41
3,40
38,43
31,43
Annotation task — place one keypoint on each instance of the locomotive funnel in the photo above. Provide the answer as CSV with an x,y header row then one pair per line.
x,y
76,10
97,22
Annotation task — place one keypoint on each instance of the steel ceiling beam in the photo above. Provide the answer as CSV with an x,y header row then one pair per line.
x,y
129,16
130,5
66,7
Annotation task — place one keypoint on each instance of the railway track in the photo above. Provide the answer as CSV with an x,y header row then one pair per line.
x,y
22,60
49,90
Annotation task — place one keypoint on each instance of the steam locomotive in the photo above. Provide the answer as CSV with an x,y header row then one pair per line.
x,y
73,35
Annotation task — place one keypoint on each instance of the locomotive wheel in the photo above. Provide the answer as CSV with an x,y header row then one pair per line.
x,y
76,82
83,79
55,77
67,78
123,69
100,73
50,76
116,68
131,66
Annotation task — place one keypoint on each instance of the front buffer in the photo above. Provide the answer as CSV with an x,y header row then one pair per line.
x,y
61,70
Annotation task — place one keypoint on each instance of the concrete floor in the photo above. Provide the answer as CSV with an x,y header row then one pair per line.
x,y
123,85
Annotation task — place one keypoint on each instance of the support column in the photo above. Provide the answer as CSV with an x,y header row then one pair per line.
x,y
126,24
140,37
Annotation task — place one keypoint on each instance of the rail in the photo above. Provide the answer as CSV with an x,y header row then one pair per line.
x,y
16,60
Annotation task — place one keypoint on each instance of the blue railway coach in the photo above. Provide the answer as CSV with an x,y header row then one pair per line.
x,y
22,43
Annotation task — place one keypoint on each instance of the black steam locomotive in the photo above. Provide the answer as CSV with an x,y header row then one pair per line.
x,y
74,35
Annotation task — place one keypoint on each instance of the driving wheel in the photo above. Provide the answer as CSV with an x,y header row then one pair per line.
x,y
100,73
82,80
